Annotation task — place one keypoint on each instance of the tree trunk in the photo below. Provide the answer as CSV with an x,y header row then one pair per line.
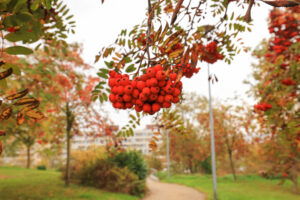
x,y
68,160
231,164
28,157
70,119
295,182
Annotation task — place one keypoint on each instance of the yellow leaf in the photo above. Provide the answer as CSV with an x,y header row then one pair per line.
x,y
20,118
6,73
25,101
119,55
156,133
35,114
6,114
17,95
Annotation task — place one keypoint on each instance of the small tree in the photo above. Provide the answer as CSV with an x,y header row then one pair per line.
x,y
277,90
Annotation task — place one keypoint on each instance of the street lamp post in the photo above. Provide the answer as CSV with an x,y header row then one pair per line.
x,y
211,123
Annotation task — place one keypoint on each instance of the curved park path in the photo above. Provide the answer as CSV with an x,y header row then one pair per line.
x,y
169,191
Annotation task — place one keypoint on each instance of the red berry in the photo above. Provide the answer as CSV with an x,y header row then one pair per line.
x,y
135,93
169,89
138,108
146,91
155,107
124,81
144,77
112,73
119,98
140,85
126,97
147,108
118,81
162,92
154,90
11,29
133,101
153,97
119,105
160,75
176,99
166,105
153,81
148,83
128,89
173,76
168,98
160,99
112,82
114,90
162,83
176,92
112,98
158,68
128,105
151,72
139,103
143,97
120,90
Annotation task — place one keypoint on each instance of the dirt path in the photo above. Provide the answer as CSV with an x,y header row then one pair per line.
x,y
168,191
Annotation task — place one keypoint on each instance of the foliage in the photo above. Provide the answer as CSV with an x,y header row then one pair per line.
x,y
277,89
247,187
93,168
19,183
133,160
28,22
41,167
175,45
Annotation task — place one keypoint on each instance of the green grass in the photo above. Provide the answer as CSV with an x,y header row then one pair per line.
x,y
249,187
31,184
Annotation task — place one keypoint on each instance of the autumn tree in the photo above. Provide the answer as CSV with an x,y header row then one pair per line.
x,y
277,89
23,23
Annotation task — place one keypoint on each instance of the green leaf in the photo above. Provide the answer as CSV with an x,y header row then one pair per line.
x,y
130,68
16,50
127,59
108,64
104,70
34,5
102,75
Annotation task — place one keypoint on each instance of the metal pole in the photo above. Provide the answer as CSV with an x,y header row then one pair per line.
x,y
168,155
212,137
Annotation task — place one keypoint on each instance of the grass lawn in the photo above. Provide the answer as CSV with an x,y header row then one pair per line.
x,y
250,187
25,184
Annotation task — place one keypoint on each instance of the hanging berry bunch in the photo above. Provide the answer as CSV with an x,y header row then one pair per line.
x,y
149,92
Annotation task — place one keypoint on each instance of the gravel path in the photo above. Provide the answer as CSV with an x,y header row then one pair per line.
x,y
168,191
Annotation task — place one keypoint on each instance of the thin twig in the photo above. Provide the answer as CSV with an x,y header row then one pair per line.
x,y
148,32
2,43
192,24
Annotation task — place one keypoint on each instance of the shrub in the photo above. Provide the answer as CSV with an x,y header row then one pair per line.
x,y
101,172
133,160
41,167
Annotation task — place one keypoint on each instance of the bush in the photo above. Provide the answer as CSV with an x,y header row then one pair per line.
x,y
133,160
41,167
103,173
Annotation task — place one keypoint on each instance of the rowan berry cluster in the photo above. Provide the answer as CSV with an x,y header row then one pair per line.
x,y
286,31
211,54
187,70
149,93
288,82
263,107
143,38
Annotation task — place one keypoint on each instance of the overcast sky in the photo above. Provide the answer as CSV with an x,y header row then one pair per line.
x,y
98,26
